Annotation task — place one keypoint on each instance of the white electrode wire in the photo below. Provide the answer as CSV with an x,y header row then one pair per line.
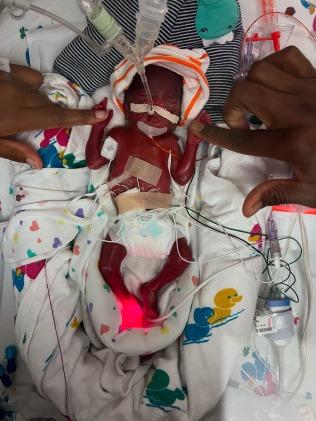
x,y
237,250
231,239
213,259
97,196
309,289
173,183
195,291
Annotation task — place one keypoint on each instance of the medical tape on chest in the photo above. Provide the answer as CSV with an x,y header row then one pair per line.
x,y
145,108
139,169
143,170
128,202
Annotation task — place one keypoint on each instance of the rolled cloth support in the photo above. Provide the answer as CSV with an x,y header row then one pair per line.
x,y
127,202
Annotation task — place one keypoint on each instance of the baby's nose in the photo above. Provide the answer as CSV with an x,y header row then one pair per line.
x,y
159,102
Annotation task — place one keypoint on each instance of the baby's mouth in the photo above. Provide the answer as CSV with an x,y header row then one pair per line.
x,y
151,131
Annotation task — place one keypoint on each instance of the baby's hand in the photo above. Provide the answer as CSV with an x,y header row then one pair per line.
x,y
102,106
204,118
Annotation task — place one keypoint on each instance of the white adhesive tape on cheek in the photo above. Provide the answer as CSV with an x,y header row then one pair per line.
x,y
144,108
166,114
139,108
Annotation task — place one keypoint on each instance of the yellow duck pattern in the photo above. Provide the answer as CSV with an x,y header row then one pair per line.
x,y
225,300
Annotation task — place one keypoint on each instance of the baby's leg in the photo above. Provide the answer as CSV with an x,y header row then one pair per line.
x,y
111,258
173,268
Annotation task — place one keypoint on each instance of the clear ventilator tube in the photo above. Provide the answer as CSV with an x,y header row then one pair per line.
x,y
109,28
149,19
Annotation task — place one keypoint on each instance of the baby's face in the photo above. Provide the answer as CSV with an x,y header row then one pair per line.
x,y
166,88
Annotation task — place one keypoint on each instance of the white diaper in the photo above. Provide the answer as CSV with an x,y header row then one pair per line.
x,y
149,234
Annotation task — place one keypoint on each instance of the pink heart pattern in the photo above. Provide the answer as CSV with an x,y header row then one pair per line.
x,y
195,281
76,250
104,329
34,226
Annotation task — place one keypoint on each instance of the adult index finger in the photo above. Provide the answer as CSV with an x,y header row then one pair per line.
x,y
24,119
265,143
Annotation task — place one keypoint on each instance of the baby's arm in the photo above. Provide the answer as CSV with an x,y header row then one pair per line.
x,y
182,169
96,139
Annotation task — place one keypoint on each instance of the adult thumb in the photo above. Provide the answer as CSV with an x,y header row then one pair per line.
x,y
279,192
20,152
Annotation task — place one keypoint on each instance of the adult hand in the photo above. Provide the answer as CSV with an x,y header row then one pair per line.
x,y
281,91
204,118
23,109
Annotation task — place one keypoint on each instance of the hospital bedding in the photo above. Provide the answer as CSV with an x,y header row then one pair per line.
x,y
230,404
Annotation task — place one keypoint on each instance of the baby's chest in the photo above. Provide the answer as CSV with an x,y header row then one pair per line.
x,y
141,156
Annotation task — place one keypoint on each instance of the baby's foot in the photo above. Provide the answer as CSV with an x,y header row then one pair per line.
x,y
149,299
132,313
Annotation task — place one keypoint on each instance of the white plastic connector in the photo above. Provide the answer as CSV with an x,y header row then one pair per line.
x,y
277,323
275,249
109,149
284,321
91,8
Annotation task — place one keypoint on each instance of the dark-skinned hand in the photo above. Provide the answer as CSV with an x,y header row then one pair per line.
x,y
23,109
281,91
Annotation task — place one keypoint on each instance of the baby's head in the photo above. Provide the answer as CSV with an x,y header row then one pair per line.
x,y
166,88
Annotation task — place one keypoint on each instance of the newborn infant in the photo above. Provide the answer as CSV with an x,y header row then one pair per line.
x,y
140,181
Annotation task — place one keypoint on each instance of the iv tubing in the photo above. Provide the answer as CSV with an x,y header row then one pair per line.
x,y
309,288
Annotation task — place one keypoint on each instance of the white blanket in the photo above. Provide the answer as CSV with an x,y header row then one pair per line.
x,y
65,303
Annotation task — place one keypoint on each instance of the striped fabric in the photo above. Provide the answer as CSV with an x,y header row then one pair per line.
x,y
79,64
